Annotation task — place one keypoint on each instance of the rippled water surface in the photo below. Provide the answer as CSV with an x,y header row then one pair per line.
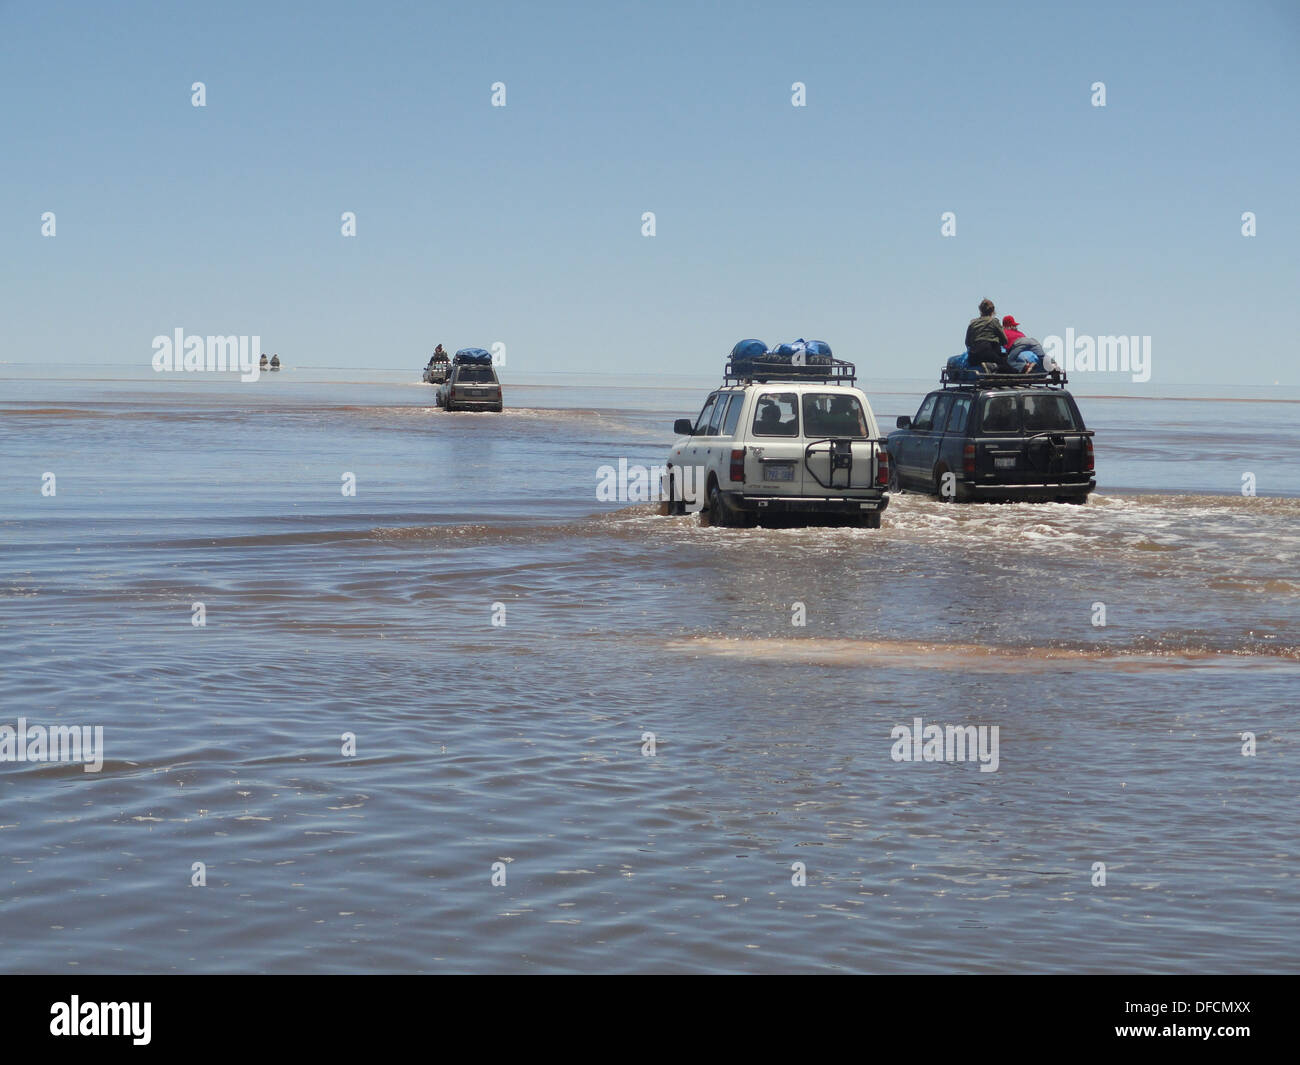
x,y
522,744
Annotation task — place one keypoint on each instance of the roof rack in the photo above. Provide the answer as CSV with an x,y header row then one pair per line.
x,y
833,371
1055,379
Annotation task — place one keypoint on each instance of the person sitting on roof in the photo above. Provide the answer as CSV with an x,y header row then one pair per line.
x,y
1012,328
1025,354
1019,356
985,338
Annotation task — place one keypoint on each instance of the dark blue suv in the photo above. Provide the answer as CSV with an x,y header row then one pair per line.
x,y
1000,438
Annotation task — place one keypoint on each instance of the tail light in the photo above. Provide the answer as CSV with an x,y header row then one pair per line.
x,y
882,467
968,459
738,464
451,392
1089,464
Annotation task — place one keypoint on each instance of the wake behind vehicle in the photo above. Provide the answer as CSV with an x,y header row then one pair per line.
x,y
787,435
996,438
471,383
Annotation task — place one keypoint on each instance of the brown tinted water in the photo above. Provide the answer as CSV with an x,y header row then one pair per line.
x,y
525,744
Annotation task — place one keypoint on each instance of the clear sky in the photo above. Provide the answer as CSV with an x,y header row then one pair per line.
x,y
523,224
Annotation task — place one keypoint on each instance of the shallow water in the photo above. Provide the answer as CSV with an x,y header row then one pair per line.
x,y
523,743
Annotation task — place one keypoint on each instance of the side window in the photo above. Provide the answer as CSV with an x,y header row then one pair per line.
x,y
941,409
925,415
719,409
1002,414
957,418
733,414
702,422
777,414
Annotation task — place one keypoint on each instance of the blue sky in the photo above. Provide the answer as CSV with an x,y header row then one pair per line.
x,y
522,224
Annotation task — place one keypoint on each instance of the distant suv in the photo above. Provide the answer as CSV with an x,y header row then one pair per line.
x,y
797,442
470,387
995,439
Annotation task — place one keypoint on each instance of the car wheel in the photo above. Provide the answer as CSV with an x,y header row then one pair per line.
x,y
893,486
669,507
719,513
870,520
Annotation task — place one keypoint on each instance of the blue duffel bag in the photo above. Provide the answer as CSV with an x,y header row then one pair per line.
x,y
960,369
818,351
472,357
748,349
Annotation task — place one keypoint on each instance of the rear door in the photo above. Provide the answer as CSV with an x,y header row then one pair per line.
x,y
840,416
1054,445
999,451
774,444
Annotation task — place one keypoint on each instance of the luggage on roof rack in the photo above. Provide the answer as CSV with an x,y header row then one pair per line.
x,y
748,349
769,368
797,360
472,357
801,351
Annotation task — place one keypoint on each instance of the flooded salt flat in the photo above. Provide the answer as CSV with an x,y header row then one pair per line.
x,y
524,744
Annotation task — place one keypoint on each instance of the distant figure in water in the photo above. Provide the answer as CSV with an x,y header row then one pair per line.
x,y
985,337
262,361
275,361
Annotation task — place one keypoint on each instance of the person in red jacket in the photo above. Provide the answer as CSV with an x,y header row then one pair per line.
x,y
1012,328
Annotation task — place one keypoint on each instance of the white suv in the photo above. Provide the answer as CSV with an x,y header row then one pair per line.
x,y
798,441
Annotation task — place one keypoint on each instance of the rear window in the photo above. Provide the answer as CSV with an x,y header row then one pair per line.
x,y
777,414
833,414
1002,414
476,375
1034,413
1047,412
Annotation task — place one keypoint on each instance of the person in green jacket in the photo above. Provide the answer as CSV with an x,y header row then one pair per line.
x,y
985,338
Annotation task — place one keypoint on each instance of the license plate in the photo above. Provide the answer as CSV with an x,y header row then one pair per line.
x,y
778,471
1005,464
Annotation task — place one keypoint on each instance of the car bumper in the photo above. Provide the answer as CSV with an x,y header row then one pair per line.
x,y
759,504
473,404
1028,493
